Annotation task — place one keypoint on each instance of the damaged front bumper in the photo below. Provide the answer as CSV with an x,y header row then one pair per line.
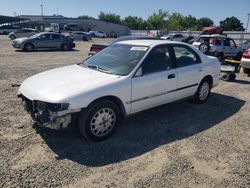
x,y
52,115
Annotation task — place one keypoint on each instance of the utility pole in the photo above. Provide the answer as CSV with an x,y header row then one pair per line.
x,y
247,21
42,9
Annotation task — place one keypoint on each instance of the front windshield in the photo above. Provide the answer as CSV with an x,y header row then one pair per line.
x,y
35,35
119,59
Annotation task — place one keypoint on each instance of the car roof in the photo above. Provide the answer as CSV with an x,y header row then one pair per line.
x,y
214,35
148,42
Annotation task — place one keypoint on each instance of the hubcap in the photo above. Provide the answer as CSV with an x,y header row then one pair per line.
x,y
204,91
203,48
103,122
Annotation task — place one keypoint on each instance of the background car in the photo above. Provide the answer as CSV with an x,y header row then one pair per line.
x,y
6,29
24,32
98,47
80,35
219,46
245,61
245,45
44,40
174,37
99,34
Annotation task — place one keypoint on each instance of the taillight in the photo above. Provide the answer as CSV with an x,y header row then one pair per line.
x,y
246,54
95,49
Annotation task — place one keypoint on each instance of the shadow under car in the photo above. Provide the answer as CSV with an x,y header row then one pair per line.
x,y
143,132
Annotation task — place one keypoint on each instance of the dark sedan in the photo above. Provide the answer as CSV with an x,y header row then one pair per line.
x,y
44,40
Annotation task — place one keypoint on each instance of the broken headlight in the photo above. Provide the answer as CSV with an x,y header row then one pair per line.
x,y
54,107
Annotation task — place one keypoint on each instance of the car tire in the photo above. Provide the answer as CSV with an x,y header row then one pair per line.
x,y
65,47
29,47
99,121
204,47
202,92
220,57
238,56
246,71
12,37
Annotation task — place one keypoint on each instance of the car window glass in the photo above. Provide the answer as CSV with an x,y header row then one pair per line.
x,y
226,42
56,36
158,60
232,44
184,56
44,37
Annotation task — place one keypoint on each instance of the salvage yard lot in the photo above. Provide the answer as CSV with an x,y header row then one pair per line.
x,y
181,144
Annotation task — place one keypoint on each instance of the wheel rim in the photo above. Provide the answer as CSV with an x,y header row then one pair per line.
x,y
203,48
103,122
65,47
204,91
29,47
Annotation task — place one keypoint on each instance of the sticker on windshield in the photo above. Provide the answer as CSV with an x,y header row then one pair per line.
x,y
139,48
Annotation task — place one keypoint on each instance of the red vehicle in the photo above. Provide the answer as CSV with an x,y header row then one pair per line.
x,y
212,30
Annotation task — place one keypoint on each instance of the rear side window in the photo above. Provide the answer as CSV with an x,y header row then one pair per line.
x,y
56,36
185,56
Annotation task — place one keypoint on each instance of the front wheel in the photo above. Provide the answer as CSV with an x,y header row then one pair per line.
x,y
99,121
29,47
202,92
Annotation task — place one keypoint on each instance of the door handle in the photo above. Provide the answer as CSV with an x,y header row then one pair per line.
x,y
200,70
171,76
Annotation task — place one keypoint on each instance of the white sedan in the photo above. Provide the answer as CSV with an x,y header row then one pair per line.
x,y
124,78
245,61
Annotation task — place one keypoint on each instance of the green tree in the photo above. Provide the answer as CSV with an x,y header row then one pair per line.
x,y
134,22
158,20
232,24
110,17
204,22
175,22
85,17
189,22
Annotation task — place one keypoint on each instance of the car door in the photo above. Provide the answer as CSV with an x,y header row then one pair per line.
x,y
56,41
42,41
228,51
188,70
155,81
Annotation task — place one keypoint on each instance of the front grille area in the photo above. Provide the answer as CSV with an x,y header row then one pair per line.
x,y
37,110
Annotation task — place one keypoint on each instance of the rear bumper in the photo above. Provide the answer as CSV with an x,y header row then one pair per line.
x,y
245,64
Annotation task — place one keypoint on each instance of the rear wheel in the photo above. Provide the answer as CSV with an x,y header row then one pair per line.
x,y
202,92
29,47
238,56
100,120
220,57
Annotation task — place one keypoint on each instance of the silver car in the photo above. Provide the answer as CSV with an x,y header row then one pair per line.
x,y
44,40
24,32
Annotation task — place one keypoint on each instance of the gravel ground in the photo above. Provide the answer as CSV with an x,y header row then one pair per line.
x,y
176,145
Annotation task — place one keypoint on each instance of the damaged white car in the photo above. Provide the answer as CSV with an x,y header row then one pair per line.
x,y
122,79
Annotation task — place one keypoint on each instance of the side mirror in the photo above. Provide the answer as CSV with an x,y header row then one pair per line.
x,y
139,72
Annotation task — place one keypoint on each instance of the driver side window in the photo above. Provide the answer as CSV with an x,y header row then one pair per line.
x,y
158,60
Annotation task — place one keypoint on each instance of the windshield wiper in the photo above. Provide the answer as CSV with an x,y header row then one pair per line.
x,y
98,68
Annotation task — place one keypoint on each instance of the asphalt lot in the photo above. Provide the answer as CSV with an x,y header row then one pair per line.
x,y
176,145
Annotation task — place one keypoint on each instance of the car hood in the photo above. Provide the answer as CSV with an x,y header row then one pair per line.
x,y
62,84
20,40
